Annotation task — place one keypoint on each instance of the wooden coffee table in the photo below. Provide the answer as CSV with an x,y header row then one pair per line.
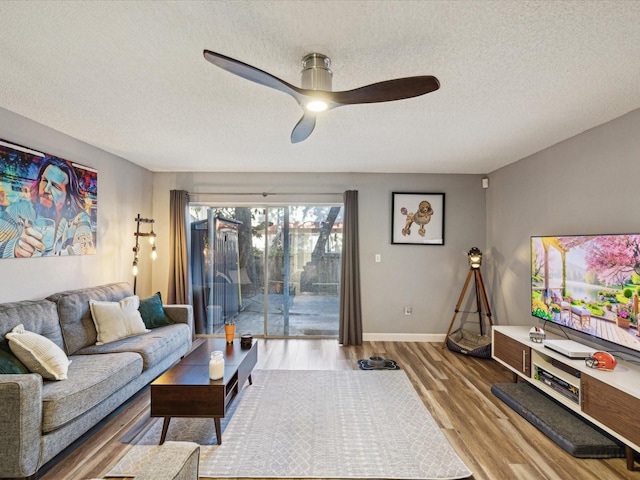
x,y
185,390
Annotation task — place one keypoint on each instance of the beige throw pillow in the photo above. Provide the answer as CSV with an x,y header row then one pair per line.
x,y
117,320
39,354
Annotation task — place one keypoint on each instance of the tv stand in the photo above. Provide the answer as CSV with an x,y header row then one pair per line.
x,y
609,400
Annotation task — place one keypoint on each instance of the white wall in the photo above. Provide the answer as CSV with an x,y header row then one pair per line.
x,y
428,278
124,190
587,184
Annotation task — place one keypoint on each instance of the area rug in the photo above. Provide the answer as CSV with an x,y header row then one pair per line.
x,y
316,424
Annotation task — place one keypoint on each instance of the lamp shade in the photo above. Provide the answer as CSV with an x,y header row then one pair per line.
x,y
475,257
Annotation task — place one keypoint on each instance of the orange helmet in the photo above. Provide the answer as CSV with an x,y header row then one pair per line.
x,y
601,361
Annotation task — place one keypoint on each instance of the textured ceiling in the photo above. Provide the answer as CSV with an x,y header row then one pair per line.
x,y
129,77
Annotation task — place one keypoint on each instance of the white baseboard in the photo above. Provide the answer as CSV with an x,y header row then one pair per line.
x,y
403,337
377,337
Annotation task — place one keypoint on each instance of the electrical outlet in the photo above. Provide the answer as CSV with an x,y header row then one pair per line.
x,y
408,310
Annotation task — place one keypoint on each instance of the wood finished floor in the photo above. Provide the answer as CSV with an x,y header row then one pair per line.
x,y
494,441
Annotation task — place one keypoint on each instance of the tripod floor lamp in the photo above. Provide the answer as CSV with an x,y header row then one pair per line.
x,y
475,260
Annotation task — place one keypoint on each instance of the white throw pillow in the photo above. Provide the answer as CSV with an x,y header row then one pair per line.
x,y
117,320
39,354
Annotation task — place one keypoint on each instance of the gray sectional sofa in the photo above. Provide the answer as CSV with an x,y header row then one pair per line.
x,y
39,418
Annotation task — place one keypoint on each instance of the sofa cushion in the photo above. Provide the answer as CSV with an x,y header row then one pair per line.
x,y
154,346
39,354
117,320
91,379
38,316
9,363
76,323
152,312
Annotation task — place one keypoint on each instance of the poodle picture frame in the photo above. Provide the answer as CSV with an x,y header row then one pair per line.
x,y
417,218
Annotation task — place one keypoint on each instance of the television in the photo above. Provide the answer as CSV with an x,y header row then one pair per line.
x,y
589,284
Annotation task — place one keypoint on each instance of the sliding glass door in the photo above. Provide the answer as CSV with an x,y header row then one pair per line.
x,y
273,270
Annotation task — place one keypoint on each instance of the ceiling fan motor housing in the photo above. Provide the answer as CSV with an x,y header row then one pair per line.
x,y
316,72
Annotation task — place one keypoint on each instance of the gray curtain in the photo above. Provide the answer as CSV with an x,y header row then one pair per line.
x,y
179,291
350,332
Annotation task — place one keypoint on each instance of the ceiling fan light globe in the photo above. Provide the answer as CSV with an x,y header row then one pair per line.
x,y
317,106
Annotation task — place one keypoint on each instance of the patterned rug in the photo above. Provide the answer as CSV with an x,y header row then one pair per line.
x,y
315,424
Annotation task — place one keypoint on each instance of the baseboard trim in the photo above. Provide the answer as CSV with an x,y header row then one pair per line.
x,y
403,337
372,337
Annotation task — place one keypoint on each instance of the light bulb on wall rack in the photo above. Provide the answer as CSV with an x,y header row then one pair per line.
x,y
134,268
154,253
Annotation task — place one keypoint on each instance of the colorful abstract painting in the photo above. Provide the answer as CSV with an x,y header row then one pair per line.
x,y
48,205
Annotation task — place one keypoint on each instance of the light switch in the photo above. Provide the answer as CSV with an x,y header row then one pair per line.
x,y
378,258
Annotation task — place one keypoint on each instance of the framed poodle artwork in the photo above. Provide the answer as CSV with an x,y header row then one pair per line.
x,y
417,218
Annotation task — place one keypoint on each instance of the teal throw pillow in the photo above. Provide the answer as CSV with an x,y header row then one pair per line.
x,y
9,364
152,312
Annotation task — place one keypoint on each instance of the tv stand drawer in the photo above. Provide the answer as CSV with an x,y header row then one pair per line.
x,y
513,353
611,407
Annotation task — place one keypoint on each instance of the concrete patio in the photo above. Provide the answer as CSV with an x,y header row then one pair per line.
x,y
309,316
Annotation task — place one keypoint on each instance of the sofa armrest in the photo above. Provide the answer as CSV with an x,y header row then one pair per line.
x,y
20,424
181,314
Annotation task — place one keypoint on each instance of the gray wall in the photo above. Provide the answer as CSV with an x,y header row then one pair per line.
x,y
123,192
428,278
587,184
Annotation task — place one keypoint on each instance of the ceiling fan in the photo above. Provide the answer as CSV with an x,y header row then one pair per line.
x,y
316,96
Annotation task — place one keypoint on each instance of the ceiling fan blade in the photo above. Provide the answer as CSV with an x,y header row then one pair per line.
x,y
387,91
252,74
304,127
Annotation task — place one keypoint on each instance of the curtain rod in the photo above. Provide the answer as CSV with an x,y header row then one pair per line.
x,y
263,194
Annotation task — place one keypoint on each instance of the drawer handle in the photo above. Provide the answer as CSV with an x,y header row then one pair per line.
x,y
524,360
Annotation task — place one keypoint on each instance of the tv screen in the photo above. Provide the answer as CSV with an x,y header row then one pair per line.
x,y
588,283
